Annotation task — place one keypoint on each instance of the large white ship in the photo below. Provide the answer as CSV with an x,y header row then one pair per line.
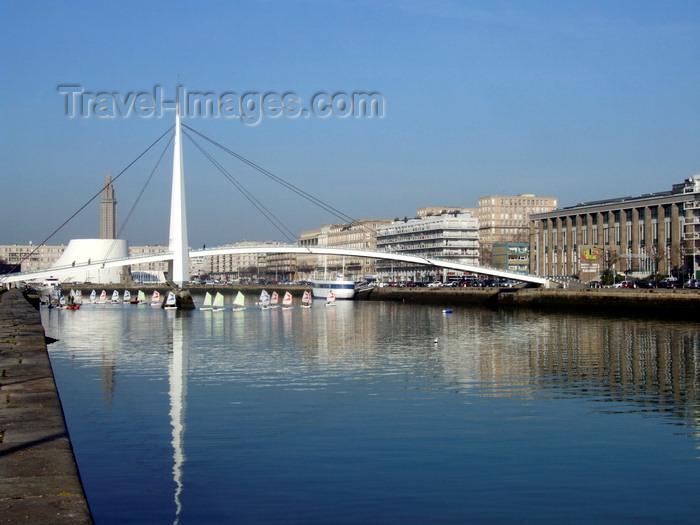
x,y
342,288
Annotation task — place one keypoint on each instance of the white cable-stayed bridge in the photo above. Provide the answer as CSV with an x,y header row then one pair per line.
x,y
179,254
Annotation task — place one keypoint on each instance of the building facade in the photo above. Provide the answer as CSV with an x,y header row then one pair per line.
x,y
506,219
452,235
357,235
511,256
655,233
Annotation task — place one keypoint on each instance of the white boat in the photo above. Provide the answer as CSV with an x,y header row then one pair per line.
x,y
206,305
218,304
274,300
287,301
330,299
155,298
127,296
171,301
115,297
93,296
239,302
306,299
264,300
342,288
103,297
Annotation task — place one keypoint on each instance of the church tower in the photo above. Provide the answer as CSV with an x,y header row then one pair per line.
x,y
108,211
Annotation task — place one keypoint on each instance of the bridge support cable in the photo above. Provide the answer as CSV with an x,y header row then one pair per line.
x,y
314,200
276,222
42,243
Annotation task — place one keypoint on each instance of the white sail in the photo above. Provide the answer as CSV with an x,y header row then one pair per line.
x,y
287,301
218,304
155,298
330,300
206,305
78,298
127,296
264,300
103,297
115,296
171,301
306,300
274,299
93,296
239,301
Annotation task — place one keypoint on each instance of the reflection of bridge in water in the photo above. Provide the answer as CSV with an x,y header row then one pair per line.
x,y
178,254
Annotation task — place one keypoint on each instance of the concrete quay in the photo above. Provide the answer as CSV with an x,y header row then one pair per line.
x,y
39,478
654,303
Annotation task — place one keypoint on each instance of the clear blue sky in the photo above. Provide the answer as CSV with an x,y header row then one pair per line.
x,y
576,100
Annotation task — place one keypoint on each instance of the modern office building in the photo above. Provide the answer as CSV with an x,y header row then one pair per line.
x,y
505,219
450,235
638,236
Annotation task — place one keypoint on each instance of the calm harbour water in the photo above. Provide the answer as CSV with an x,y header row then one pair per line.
x,y
354,414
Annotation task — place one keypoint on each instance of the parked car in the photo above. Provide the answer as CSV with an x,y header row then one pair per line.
x,y
668,282
595,284
692,283
624,284
644,284
434,284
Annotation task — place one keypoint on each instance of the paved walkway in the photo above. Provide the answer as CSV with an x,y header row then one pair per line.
x,y
39,479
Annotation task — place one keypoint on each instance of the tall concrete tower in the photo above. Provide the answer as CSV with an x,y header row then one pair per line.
x,y
108,211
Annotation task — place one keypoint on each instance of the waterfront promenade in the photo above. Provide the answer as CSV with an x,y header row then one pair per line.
x,y
39,479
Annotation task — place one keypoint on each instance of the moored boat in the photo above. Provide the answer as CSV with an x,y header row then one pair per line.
x,y
341,288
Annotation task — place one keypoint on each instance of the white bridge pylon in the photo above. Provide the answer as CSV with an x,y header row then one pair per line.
x,y
317,250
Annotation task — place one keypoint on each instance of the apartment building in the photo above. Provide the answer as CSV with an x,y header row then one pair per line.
x,y
451,235
505,219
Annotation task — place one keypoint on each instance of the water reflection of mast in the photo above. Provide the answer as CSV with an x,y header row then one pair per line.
x,y
178,391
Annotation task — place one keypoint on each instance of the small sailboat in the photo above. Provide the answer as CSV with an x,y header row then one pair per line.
x,y
171,301
93,297
206,305
306,300
103,297
140,298
127,296
155,298
218,304
62,302
115,297
274,300
287,301
264,300
239,302
78,297
330,300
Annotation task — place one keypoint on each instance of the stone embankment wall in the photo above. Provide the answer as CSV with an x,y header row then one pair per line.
x,y
39,479
675,304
